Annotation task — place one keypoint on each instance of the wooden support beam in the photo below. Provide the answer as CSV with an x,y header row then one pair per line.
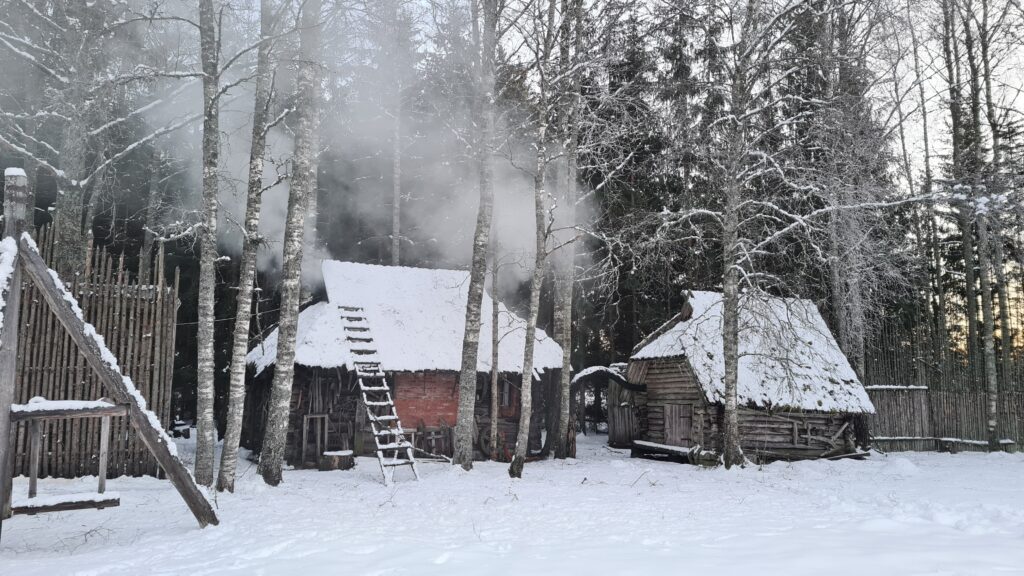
x,y
15,211
113,381
46,506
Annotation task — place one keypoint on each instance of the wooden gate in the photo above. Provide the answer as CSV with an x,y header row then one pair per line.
x,y
137,321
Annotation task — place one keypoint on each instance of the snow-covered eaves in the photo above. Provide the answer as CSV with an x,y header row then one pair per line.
x,y
417,317
788,356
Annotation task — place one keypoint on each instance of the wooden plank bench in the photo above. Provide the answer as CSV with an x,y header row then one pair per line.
x,y
33,414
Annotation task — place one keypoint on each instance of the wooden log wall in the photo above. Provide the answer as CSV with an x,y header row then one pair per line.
x,y
914,418
138,322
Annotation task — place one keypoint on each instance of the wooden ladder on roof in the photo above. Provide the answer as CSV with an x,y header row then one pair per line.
x,y
393,449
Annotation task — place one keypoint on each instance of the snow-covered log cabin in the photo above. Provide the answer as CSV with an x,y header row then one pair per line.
x,y
413,319
797,394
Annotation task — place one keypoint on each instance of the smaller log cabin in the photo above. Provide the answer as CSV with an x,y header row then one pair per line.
x,y
417,319
797,395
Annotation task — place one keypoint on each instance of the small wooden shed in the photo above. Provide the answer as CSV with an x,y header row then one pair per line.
x,y
417,320
797,394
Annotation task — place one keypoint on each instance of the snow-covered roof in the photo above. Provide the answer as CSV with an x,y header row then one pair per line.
x,y
417,317
788,356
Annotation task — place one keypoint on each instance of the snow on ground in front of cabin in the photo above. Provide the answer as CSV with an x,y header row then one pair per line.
x,y
603,513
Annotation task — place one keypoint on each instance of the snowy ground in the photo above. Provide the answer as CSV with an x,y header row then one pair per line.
x,y
603,513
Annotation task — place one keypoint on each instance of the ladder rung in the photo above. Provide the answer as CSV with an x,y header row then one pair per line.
x,y
394,446
390,432
375,388
399,463
385,418
385,403
351,308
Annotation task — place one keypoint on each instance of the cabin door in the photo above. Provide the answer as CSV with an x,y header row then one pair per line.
x,y
679,425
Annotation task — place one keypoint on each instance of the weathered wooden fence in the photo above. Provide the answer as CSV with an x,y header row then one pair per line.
x,y
137,320
919,418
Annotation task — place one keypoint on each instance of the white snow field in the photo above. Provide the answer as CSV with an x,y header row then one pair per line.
x,y
603,513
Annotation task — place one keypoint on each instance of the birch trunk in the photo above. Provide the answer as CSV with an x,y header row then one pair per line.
x,y
732,454
463,453
205,428
303,187
991,377
247,271
566,281
515,470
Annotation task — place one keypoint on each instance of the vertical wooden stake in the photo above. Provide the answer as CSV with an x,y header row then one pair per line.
x,y
104,448
15,210
35,453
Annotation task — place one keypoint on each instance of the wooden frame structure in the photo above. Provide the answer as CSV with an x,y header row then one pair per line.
x,y
34,413
26,260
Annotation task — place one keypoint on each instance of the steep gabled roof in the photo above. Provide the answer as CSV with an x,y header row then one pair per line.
x,y
417,317
788,356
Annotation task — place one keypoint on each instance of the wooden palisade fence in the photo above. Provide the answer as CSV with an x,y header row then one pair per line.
x,y
137,319
22,264
919,418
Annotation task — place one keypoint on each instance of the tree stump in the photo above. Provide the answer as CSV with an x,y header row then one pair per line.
x,y
339,460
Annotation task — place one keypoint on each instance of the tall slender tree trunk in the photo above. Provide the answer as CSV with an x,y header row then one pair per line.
x,y
205,429
495,342
69,213
996,188
515,470
951,54
396,181
463,453
250,244
991,377
566,280
732,454
303,187
152,207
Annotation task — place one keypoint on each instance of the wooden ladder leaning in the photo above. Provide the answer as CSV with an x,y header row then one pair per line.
x,y
393,449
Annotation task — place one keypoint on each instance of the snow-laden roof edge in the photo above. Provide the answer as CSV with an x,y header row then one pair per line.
x,y
416,317
788,356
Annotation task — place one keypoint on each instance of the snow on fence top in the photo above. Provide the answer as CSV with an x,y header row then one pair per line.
x,y
417,317
788,356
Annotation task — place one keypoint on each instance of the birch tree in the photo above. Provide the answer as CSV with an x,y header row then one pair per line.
x,y
206,432
261,125
302,187
464,433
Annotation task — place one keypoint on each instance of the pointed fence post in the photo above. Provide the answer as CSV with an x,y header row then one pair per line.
x,y
15,211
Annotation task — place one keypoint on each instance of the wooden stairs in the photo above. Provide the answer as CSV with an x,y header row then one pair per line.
x,y
393,449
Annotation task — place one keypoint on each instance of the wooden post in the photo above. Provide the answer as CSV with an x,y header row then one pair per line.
x,y
104,449
15,210
113,381
35,453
